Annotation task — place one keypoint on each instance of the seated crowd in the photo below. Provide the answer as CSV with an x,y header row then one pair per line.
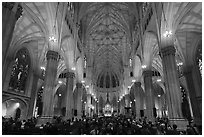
x,y
115,125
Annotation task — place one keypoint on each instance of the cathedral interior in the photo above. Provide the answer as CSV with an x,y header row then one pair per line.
x,y
78,60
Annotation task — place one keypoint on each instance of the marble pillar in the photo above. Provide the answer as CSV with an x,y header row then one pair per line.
x,y
78,100
11,12
197,113
149,96
139,100
69,94
49,85
88,105
172,85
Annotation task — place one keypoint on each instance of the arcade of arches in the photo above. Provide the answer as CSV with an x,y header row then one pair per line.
x,y
85,59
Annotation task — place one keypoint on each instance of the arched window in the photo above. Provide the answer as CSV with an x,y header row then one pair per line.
x,y
199,58
20,71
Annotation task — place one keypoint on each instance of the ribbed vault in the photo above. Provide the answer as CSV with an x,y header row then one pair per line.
x,y
107,36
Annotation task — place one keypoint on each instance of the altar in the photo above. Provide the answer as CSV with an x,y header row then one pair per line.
x,y
108,110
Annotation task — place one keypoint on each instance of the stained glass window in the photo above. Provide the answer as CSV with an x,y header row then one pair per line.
x,y
20,71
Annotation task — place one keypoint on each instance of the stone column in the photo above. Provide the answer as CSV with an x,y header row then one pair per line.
x,y
33,96
69,94
78,101
139,102
197,114
48,93
149,96
173,93
88,104
11,12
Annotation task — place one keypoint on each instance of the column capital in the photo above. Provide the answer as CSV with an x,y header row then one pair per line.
x,y
169,50
70,75
52,55
147,73
79,85
137,84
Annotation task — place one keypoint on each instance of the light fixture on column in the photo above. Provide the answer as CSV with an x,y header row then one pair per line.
x,y
180,64
129,87
73,68
133,80
159,80
144,66
60,82
52,39
135,100
87,86
159,96
60,95
43,68
167,33
82,81
17,105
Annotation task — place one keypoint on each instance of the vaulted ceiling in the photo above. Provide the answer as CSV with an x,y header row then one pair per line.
x,y
107,36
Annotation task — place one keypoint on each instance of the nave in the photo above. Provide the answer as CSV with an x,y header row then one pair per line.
x,y
97,67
